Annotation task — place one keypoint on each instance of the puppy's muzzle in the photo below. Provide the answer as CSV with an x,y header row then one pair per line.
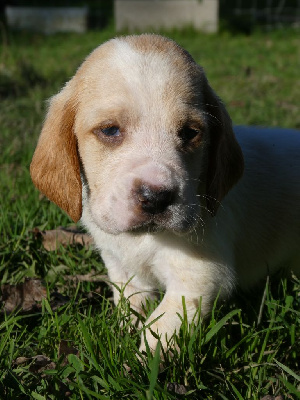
x,y
154,200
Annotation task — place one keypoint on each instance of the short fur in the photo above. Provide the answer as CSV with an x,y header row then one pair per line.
x,y
141,137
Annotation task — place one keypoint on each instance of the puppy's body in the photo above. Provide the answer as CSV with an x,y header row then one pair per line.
x,y
255,233
164,193
263,208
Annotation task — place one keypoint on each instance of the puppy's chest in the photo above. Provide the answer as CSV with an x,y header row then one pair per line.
x,y
144,256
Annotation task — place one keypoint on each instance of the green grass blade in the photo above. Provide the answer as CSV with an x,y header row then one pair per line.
x,y
37,396
154,369
287,370
215,329
237,393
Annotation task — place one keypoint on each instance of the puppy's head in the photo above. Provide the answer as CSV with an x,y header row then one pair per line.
x,y
141,128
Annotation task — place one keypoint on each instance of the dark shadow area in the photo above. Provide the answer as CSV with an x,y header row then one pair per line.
x,y
246,16
19,83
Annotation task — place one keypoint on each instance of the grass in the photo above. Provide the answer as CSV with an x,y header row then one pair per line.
x,y
87,347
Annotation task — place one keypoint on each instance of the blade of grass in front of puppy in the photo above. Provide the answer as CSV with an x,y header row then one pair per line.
x,y
91,394
291,388
215,329
37,396
6,338
89,345
154,368
236,392
110,382
288,370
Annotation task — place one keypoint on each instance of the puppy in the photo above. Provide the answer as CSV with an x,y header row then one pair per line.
x,y
139,147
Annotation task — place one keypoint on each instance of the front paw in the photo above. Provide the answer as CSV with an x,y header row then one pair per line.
x,y
151,339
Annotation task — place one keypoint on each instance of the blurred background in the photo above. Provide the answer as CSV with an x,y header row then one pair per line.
x,y
208,15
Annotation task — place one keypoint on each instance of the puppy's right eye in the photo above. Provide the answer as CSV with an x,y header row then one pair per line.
x,y
111,131
110,134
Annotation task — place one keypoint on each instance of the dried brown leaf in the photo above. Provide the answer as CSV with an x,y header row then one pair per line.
x,y
41,363
90,277
38,363
52,239
66,348
176,388
27,295
21,360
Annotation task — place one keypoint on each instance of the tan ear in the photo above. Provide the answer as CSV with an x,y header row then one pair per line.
x,y
55,168
225,158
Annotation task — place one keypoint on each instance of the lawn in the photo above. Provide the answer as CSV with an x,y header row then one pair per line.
x,y
70,342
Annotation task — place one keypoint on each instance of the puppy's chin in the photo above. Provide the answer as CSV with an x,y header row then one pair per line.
x,y
149,227
135,227
153,228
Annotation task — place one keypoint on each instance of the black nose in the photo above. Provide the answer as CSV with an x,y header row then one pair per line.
x,y
153,199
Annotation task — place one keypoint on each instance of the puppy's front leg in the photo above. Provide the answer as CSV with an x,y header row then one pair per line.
x,y
166,317
127,286
135,292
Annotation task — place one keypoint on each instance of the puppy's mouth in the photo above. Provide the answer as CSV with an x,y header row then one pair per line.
x,y
151,223
175,219
147,227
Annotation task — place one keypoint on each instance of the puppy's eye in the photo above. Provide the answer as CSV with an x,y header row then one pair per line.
x,y
110,134
187,134
190,138
111,131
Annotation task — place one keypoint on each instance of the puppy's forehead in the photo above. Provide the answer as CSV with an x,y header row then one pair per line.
x,y
142,62
153,63
151,51
146,76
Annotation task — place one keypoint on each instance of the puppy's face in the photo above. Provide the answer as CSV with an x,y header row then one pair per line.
x,y
148,130
140,137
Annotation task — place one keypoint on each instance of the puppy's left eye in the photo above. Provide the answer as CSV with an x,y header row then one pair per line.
x,y
111,131
190,138
187,134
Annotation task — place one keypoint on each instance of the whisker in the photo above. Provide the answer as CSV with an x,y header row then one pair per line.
x,y
206,196
212,116
192,179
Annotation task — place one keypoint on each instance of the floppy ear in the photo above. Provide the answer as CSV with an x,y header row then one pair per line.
x,y
225,159
55,168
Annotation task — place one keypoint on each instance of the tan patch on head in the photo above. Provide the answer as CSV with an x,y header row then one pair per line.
x,y
158,44
177,57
